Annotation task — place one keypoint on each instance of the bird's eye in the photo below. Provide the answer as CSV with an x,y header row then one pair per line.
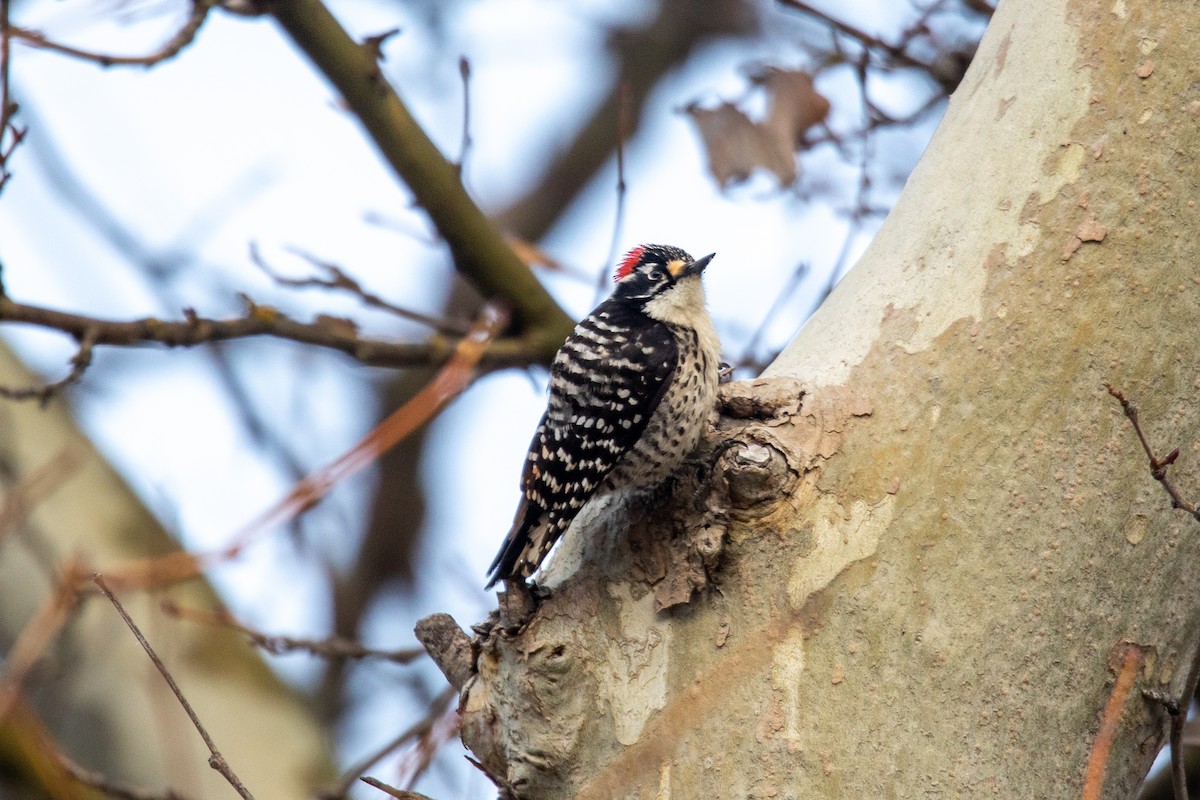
x,y
657,275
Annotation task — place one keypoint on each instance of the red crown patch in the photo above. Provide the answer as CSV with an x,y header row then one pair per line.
x,y
629,262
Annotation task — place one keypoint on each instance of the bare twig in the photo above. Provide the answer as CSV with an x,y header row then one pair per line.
x,y
623,131
1175,732
171,48
1158,466
643,52
110,787
437,708
446,385
215,760
781,300
895,52
79,364
329,647
338,279
392,791
8,106
464,72
259,320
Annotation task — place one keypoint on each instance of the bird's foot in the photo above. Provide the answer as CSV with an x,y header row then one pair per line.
x,y
519,602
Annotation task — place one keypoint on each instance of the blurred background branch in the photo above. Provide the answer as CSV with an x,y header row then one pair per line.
x,y
476,245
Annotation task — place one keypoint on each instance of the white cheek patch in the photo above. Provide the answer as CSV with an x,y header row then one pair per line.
x,y
680,304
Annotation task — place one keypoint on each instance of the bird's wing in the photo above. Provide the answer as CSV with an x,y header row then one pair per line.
x,y
605,384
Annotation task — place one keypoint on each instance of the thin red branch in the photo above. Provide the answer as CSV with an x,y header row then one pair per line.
x,y
1177,709
1131,662
449,381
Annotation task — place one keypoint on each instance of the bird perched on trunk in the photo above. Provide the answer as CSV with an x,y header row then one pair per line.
x,y
631,391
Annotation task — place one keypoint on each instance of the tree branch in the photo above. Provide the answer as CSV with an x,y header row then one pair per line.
x,y
259,320
8,106
171,48
275,644
478,249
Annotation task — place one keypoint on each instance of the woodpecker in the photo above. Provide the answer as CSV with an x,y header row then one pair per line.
x,y
631,391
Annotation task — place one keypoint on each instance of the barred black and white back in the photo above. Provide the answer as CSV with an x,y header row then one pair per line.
x,y
630,393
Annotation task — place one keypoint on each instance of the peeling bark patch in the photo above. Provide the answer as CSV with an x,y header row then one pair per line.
x,y
1129,656
1136,531
1091,231
1088,231
636,660
1003,106
1002,55
1070,165
787,671
722,632
841,539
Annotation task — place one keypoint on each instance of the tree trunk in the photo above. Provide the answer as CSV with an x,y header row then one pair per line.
x,y
932,561
94,688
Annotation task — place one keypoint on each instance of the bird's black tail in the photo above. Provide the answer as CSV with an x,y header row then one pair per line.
x,y
513,553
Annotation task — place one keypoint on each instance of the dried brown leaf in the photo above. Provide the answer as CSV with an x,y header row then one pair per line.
x,y
735,144
795,107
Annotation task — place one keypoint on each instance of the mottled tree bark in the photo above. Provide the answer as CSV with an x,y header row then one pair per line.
x,y
929,541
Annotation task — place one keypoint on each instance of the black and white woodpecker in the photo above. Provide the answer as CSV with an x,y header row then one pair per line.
x,y
631,391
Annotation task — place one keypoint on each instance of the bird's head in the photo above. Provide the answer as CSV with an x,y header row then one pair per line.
x,y
664,281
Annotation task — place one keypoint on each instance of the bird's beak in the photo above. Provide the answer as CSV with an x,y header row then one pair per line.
x,y
697,266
